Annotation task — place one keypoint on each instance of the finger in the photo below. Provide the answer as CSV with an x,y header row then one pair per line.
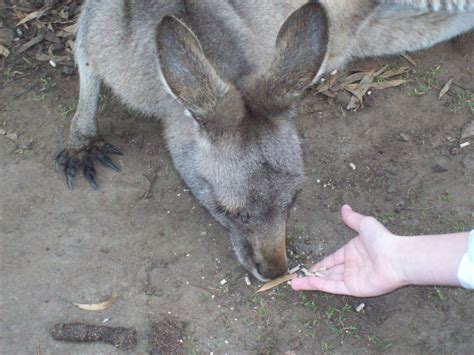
x,y
350,218
330,261
319,284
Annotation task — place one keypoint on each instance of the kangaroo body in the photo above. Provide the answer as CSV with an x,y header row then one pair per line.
x,y
225,78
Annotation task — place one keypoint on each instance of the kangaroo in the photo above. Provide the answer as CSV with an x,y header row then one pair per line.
x,y
225,77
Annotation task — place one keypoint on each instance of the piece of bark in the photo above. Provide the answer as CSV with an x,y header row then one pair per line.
x,y
120,337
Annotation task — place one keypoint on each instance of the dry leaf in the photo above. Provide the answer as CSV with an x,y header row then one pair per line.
x,y
4,51
445,88
380,71
394,72
276,282
68,31
98,306
409,59
387,84
31,16
349,80
360,91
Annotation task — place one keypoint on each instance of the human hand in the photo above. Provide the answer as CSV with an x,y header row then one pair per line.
x,y
366,266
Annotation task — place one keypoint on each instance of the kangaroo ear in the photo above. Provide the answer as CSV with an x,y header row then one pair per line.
x,y
300,50
191,77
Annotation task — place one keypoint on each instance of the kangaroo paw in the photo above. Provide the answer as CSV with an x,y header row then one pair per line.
x,y
70,160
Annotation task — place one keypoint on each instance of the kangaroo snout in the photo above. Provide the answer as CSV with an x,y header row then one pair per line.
x,y
274,263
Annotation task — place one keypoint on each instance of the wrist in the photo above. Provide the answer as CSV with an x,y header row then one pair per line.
x,y
430,259
399,260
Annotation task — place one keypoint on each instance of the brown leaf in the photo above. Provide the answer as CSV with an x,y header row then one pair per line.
x,y
276,282
98,306
445,88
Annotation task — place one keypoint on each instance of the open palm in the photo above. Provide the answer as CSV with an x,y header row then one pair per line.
x,y
363,267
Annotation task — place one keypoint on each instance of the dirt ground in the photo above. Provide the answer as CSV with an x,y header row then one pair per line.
x,y
145,235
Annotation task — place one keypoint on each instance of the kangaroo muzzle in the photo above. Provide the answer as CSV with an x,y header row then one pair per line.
x,y
274,262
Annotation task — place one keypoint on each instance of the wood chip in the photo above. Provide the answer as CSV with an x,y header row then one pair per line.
x,y
360,307
98,306
32,42
445,88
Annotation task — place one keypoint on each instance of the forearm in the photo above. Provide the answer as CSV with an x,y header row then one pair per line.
x,y
431,259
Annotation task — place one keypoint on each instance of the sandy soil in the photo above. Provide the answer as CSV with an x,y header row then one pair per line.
x,y
166,257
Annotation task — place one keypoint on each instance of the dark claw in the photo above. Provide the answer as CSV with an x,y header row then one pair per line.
x,y
106,161
110,149
89,173
61,159
70,170
73,159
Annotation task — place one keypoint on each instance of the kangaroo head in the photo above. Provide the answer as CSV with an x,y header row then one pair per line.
x,y
239,152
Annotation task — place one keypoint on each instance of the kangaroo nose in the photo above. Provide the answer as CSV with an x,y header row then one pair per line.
x,y
274,264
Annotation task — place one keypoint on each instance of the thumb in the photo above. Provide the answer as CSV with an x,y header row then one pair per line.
x,y
350,218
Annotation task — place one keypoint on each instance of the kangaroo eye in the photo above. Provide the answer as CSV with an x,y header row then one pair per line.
x,y
243,216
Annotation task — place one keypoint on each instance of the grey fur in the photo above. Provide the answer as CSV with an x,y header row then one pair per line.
x,y
365,28
227,97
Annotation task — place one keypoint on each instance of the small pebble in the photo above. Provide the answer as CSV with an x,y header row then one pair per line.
x,y
439,169
12,136
68,70
247,281
404,137
223,282
6,36
468,162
